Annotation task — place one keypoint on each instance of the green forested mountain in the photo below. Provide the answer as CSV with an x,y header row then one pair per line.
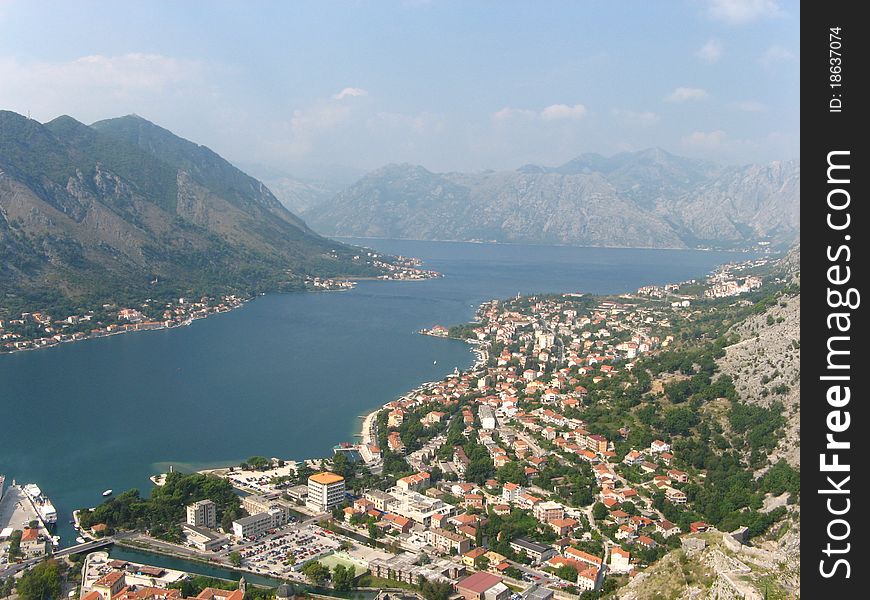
x,y
126,209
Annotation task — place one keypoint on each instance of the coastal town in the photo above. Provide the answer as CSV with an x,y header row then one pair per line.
x,y
565,462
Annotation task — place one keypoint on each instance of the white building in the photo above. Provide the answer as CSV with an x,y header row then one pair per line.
x,y
619,560
487,418
417,507
253,526
325,491
202,514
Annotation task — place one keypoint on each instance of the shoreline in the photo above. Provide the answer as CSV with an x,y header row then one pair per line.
x,y
481,357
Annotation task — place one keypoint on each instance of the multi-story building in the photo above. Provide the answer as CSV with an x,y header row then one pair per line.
x,y
325,491
417,507
379,499
447,541
202,514
487,418
549,511
252,526
415,482
535,551
110,584
263,503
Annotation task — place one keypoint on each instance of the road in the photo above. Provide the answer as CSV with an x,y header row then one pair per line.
x,y
77,549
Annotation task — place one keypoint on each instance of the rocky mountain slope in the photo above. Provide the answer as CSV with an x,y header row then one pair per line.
x,y
765,363
127,209
643,199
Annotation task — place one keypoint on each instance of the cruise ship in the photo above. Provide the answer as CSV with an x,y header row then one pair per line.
x,y
42,504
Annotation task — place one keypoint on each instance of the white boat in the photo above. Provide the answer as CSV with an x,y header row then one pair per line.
x,y
46,510
41,503
107,493
81,540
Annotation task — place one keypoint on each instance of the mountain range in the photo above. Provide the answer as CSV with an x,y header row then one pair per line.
x,y
640,199
126,209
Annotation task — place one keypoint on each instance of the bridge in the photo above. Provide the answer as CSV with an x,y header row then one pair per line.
x,y
14,568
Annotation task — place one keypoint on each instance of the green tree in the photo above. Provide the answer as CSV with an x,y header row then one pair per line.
x,y
235,558
481,563
43,582
567,572
599,511
315,572
436,590
343,578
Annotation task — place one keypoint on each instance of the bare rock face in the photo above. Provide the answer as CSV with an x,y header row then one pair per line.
x,y
765,367
643,199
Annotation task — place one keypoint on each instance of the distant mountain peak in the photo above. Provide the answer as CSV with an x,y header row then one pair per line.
x,y
645,198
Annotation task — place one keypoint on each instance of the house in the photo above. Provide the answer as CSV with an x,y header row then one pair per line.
x,y
620,560
483,586
646,541
587,579
675,496
501,509
395,418
527,501
678,476
698,527
433,418
211,593
414,483
472,501
398,522
584,557
666,528
620,517
563,526
110,584
633,458
32,543
469,557
658,446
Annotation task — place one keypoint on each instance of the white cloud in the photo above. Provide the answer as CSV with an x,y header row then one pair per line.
x,y
775,54
554,112
738,12
750,106
685,94
350,92
563,111
708,140
711,51
644,118
510,113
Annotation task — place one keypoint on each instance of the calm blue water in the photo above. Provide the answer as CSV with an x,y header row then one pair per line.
x,y
286,375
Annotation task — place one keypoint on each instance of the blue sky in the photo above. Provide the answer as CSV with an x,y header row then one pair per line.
x,y
449,85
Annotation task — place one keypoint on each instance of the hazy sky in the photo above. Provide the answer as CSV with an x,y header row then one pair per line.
x,y
449,85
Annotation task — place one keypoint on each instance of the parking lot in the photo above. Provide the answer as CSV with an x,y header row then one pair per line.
x,y
279,552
